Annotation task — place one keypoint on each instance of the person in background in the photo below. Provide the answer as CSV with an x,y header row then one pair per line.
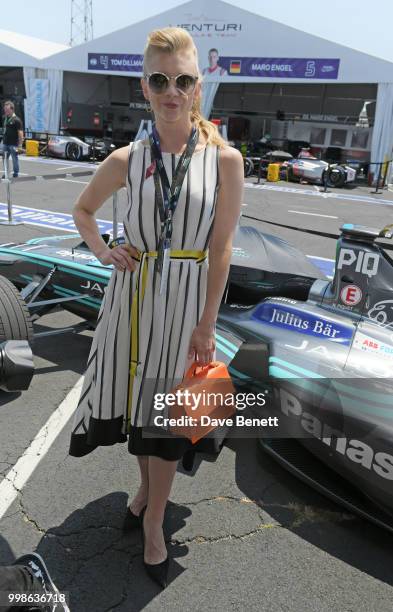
x,y
305,153
29,575
12,135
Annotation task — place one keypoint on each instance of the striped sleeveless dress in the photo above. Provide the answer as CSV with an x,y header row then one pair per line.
x,y
116,399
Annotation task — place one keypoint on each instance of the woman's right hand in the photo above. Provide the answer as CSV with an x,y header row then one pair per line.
x,y
121,257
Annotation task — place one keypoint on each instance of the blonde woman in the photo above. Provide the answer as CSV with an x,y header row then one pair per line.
x,y
161,304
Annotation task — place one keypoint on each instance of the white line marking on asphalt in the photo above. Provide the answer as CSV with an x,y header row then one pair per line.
x,y
316,187
300,212
55,162
57,220
20,174
67,167
17,477
72,181
360,199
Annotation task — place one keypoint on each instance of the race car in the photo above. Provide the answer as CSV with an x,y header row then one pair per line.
x,y
317,171
259,165
320,352
100,148
329,363
16,365
68,147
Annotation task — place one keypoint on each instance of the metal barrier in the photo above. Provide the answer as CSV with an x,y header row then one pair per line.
x,y
385,174
325,180
259,171
24,179
7,180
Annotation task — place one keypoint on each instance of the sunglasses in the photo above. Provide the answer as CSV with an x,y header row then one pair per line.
x,y
159,82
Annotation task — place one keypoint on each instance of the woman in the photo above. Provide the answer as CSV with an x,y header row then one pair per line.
x,y
158,325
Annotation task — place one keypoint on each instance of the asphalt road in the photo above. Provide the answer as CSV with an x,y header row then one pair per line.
x,y
242,532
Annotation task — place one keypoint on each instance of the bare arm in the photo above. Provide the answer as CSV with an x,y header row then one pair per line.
x,y
20,137
226,217
109,177
227,213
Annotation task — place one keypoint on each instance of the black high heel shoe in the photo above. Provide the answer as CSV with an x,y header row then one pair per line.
x,y
157,571
131,520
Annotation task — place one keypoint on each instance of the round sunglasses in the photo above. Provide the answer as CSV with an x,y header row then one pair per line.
x,y
159,82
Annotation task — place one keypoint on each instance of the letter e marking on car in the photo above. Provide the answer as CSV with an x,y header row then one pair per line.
x,y
351,295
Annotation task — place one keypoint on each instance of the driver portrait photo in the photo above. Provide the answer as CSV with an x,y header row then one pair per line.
x,y
214,68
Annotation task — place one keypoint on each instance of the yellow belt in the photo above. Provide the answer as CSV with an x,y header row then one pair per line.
x,y
138,296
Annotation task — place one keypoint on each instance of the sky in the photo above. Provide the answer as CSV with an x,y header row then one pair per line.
x,y
359,24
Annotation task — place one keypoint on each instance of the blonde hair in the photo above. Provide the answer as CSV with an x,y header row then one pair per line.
x,y
171,40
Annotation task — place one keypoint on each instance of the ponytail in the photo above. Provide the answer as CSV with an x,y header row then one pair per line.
x,y
208,129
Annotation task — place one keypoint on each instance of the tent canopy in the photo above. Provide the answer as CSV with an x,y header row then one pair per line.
x,y
20,50
251,49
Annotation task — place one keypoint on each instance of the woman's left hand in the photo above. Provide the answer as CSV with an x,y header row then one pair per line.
x,y
202,344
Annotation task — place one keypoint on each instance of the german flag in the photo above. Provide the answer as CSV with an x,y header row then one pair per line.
x,y
235,67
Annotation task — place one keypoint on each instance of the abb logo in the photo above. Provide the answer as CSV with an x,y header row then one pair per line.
x,y
351,295
371,344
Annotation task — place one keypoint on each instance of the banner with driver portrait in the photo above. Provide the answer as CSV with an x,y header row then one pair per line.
x,y
227,66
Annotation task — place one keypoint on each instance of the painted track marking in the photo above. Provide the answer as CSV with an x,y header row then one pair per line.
x,y
360,199
20,473
300,212
72,181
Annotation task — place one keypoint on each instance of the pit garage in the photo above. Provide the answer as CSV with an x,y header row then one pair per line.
x,y
328,116
12,87
106,106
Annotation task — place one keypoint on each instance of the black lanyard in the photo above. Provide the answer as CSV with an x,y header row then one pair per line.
x,y
167,200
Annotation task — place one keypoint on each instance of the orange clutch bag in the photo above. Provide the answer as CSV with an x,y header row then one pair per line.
x,y
207,401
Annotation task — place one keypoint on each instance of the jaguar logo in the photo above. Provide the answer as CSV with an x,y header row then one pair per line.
x,y
94,287
382,313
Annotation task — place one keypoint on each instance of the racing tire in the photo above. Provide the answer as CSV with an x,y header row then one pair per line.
x,y
248,166
337,177
15,321
73,152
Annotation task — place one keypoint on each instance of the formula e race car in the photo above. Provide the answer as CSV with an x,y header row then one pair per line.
x,y
320,352
317,171
68,147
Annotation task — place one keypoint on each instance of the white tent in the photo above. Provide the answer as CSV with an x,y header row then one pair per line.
x,y
251,49
11,56
239,35
21,50
43,86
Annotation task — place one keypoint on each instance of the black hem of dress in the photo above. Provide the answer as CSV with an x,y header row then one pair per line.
x,y
102,432
107,432
168,448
